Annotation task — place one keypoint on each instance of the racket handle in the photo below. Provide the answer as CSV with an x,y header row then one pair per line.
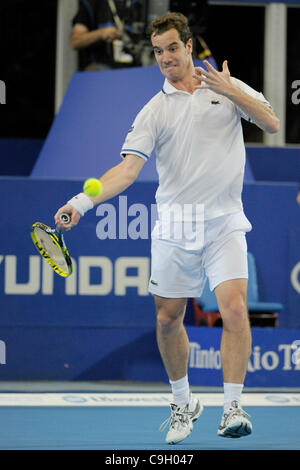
x,y
65,219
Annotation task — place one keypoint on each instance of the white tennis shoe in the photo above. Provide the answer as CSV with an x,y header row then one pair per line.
x,y
235,422
181,420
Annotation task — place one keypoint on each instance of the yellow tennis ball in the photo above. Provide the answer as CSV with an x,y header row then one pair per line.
x,y
92,187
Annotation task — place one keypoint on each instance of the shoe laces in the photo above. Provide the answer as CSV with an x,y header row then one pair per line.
x,y
178,416
231,412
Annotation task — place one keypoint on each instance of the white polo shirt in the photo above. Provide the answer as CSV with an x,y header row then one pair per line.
x,y
200,151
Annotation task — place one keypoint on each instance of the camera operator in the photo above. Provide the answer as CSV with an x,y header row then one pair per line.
x,y
109,33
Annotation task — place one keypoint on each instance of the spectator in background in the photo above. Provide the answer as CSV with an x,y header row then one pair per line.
x,y
298,196
105,31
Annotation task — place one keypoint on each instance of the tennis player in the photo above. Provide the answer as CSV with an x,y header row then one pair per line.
x,y
194,125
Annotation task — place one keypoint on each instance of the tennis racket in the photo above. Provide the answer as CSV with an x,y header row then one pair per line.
x,y
51,246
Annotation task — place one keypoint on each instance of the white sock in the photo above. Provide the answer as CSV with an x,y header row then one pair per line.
x,y
232,392
181,391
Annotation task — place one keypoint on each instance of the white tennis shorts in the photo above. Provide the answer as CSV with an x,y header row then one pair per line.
x,y
179,268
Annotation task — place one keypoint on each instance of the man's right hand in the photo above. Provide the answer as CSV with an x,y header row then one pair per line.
x,y
110,32
73,213
82,37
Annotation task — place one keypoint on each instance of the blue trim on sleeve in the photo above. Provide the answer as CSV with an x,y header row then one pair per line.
x,y
136,152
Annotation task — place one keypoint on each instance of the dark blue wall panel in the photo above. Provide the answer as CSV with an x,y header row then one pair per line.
x,y
18,156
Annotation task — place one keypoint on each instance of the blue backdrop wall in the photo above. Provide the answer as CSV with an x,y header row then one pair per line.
x,y
91,325
105,269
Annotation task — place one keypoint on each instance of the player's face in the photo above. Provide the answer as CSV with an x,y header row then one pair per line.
x,y
173,57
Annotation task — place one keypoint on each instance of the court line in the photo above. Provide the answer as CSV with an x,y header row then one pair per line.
x,y
138,399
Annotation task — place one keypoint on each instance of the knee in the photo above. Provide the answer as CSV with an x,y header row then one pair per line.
x,y
234,313
168,320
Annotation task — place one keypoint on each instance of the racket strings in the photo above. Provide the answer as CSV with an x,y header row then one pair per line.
x,y
52,248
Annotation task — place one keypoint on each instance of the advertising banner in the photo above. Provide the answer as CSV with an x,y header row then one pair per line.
x,y
99,323
274,360
131,354
294,281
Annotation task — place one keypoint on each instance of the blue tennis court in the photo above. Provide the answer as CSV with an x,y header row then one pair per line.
x,y
126,421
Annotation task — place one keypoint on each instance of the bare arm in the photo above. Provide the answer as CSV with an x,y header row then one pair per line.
x,y
81,37
118,178
114,182
260,113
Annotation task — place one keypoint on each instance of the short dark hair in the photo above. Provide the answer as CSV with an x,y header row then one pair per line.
x,y
171,20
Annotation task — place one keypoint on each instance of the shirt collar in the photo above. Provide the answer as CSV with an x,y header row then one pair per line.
x,y
168,89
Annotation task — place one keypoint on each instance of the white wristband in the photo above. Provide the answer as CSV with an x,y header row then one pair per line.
x,y
81,202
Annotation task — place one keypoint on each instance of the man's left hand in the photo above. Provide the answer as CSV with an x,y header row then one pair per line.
x,y
214,80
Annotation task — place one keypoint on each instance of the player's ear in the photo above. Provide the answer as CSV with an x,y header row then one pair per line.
x,y
189,46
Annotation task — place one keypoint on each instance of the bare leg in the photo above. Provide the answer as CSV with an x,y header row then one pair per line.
x,y
172,340
173,344
236,335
